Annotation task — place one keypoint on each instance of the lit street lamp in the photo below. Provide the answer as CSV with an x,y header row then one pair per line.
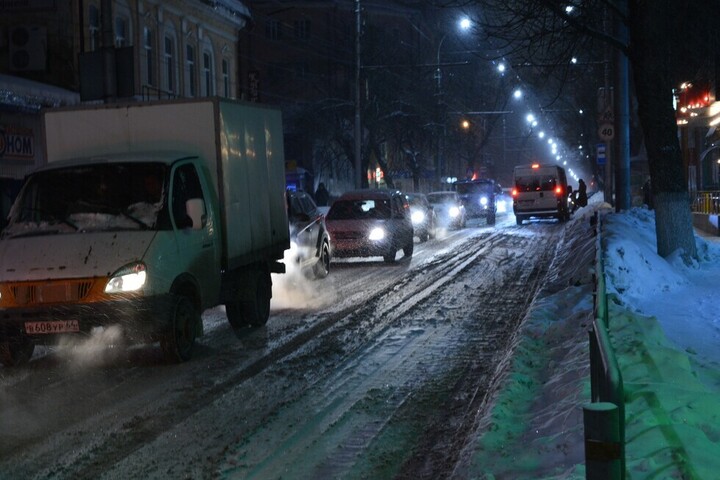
x,y
464,24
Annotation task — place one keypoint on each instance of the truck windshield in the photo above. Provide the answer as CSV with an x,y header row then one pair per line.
x,y
102,197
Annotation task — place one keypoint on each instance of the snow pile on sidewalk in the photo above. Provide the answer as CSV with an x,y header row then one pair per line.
x,y
665,330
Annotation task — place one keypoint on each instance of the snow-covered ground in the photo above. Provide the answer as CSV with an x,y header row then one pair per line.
x,y
665,330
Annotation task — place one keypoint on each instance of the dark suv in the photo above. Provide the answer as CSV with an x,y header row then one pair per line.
x,y
479,198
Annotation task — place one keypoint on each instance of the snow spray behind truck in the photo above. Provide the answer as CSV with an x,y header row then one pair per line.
x,y
145,215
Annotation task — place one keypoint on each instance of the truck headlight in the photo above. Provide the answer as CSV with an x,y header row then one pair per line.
x,y
130,278
376,234
454,212
483,201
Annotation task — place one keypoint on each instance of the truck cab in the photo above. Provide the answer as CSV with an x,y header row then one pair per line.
x,y
116,230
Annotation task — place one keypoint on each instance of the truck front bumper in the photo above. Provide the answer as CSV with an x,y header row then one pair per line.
x,y
140,318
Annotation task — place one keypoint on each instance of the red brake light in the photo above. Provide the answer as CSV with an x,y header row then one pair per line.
x,y
514,192
535,165
558,191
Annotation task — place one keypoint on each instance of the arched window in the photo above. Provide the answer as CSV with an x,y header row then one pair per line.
x,y
93,28
149,52
122,26
169,62
190,71
122,32
208,72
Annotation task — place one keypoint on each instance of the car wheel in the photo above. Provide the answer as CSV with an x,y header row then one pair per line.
x,y
389,257
408,249
322,268
178,342
16,351
518,219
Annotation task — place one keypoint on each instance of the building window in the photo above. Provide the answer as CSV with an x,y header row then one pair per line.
x,y
302,29
169,61
149,47
121,32
94,27
273,30
226,78
208,77
191,70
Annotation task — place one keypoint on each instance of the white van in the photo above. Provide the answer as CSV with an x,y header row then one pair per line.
x,y
540,191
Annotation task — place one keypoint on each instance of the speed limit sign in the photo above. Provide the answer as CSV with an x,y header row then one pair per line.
x,y
606,131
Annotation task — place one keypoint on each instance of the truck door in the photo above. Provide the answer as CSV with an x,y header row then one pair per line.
x,y
198,246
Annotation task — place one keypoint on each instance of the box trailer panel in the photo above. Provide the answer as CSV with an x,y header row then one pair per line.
x,y
254,179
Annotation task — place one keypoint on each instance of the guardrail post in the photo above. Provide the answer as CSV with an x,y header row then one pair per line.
x,y
603,447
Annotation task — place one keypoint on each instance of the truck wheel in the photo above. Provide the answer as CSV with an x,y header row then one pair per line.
x,y
322,268
518,219
177,343
15,351
257,310
252,313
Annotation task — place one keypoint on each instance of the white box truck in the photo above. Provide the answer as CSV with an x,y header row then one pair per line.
x,y
145,215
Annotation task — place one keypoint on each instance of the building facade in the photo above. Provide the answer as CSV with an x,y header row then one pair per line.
x,y
104,51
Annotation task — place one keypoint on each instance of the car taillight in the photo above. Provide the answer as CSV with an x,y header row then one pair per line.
x,y
514,192
558,191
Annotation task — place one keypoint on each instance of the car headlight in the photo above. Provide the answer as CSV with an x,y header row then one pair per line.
x,y
483,201
376,234
417,217
130,278
454,211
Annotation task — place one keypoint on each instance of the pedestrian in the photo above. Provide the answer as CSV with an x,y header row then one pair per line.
x,y
582,194
322,196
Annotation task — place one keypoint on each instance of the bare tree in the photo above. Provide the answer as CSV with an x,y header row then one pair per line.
x,y
667,42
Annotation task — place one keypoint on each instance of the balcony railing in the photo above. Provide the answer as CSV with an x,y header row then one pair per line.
x,y
706,202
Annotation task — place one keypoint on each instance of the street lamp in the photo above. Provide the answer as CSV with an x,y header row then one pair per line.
x,y
464,24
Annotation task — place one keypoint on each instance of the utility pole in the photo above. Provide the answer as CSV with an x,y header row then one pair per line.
x,y
358,126
622,102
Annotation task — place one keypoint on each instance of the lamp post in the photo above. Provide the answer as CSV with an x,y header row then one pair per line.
x,y
464,24
438,115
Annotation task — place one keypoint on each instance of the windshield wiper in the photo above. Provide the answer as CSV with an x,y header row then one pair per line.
x,y
144,225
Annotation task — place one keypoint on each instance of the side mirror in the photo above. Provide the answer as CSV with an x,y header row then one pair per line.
x,y
195,208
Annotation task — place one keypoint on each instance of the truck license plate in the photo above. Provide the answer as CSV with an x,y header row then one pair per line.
x,y
61,326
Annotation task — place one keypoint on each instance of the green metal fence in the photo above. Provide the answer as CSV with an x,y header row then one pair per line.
x,y
604,418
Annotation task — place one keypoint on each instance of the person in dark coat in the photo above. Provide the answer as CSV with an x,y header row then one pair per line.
x,y
582,194
322,196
